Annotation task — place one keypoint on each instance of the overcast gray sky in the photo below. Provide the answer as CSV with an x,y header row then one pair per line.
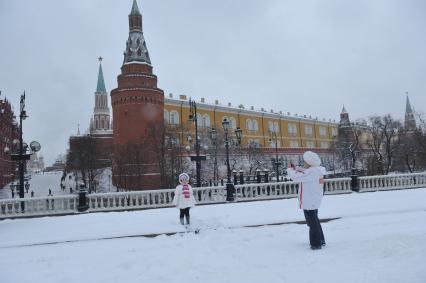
x,y
306,57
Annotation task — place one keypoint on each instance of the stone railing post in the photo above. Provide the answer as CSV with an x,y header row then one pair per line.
x,y
354,181
82,199
241,177
258,177
266,174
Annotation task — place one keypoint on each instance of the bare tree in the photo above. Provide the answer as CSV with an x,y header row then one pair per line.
x,y
82,158
384,141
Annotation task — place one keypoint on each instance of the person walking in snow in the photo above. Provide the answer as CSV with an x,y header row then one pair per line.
x,y
184,198
311,191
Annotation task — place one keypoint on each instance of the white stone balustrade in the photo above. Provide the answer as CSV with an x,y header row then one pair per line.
x,y
337,186
392,182
43,206
39,206
262,191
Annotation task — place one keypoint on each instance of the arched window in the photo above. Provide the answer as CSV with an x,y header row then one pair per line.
x,y
276,127
96,124
199,120
232,123
206,121
255,125
174,117
249,125
102,124
271,126
166,117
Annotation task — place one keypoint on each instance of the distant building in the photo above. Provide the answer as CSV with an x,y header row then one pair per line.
x,y
58,165
35,164
8,132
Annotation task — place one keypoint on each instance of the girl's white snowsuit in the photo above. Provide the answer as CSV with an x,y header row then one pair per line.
x,y
311,186
179,199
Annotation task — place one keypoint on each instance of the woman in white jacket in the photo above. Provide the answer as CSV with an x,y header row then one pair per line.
x,y
184,198
311,190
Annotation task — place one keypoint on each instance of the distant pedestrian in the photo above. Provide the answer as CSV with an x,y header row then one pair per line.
x,y
32,194
13,194
311,191
50,192
184,198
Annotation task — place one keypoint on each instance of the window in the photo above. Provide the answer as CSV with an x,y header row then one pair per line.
x,y
323,131
253,143
255,126
232,123
324,145
166,117
199,120
292,128
174,118
294,144
310,144
205,121
271,126
334,132
308,130
276,127
272,143
249,125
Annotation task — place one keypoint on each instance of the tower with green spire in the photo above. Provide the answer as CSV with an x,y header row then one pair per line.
x,y
409,121
101,115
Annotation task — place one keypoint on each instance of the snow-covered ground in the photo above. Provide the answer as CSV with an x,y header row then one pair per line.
x,y
40,183
379,237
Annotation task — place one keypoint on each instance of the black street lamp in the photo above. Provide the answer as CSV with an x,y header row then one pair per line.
x,y
276,163
230,188
193,117
21,154
213,137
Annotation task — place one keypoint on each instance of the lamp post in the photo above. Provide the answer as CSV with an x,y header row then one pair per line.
x,y
193,117
21,154
213,137
277,163
230,188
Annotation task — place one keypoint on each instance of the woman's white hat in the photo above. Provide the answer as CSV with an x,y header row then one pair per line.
x,y
183,176
312,158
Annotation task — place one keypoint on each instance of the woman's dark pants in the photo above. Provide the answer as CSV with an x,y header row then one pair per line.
x,y
316,236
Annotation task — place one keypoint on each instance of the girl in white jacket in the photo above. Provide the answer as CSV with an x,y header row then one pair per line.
x,y
184,198
311,190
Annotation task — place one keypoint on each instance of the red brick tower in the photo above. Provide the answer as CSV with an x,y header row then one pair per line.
x,y
137,106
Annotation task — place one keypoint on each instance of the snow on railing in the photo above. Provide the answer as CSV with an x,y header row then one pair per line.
x,y
261,191
337,186
391,182
68,204
38,206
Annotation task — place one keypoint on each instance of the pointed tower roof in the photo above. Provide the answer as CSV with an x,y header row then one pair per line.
x,y
136,50
408,109
101,83
135,9
344,110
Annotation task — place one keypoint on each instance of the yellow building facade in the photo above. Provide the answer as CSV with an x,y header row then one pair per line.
x,y
259,127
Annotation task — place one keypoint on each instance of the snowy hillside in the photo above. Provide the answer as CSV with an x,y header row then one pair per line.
x,y
379,237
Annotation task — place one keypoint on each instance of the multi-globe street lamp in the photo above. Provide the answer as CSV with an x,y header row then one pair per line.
x,y
19,151
193,117
230,188
277,163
